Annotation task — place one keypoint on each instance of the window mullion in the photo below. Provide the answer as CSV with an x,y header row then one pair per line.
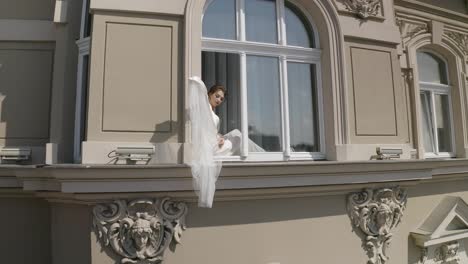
x,y
240,7
244,112
281,22
434,123
285,106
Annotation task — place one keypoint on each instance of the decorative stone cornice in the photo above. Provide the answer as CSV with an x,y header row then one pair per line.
x,y
139,231
363,8
376,213
460,39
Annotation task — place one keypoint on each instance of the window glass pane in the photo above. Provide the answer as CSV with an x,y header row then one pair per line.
x,y
224,69
426,111
219,20
431,68
263,92
260,17
298,31
88,21
443,122
302,107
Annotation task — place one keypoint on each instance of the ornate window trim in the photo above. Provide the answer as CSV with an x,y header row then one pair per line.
x,y
333,69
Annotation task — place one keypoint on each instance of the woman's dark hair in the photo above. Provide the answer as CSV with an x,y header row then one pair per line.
x,y
215,88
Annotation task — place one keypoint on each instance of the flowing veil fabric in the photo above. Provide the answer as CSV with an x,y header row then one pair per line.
x,y
205,170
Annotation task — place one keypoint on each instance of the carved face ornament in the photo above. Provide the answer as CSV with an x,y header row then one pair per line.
x,y
141,231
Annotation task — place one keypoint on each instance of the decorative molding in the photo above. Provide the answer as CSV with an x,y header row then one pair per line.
x,y
440,237
376,213
448,253
363,8
409,29
141,230
407,74
460,39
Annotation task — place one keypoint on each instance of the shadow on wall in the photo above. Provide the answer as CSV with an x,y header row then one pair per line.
x,y
414,252
437,188
164,131
264,211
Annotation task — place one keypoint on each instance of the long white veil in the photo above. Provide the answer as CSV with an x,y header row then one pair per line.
x,y
205,170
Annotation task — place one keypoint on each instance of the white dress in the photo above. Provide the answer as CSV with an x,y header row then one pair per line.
x,y
226,148
232,141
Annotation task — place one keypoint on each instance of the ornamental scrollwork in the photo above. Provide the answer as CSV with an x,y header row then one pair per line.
x,y
448,253
410,29
376,213
363,8
141,230
460,39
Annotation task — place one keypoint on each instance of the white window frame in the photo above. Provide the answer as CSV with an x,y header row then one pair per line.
x,y
83,50
285,54
438,89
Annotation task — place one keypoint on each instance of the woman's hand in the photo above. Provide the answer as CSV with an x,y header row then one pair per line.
x,y
220,141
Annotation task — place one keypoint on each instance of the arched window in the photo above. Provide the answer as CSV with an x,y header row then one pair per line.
x,y
266,54
436,114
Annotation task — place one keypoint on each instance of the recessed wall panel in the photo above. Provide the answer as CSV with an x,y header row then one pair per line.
x,y
137,78
25,85
373,93
27,9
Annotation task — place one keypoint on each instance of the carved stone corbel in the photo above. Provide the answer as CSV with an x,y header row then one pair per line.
x,y
139,231
376,213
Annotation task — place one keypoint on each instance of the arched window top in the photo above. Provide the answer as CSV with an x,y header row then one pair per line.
x,y
298,29
258,21
432,69
219,20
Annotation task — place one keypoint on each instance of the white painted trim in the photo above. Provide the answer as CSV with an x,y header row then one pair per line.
x,y
244,108
441,89
262,49
285,54
27,30
284,94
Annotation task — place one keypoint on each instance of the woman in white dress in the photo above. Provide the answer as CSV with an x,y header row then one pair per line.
x,y
216,96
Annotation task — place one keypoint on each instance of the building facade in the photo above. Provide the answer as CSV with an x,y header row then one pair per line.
x,y
358,110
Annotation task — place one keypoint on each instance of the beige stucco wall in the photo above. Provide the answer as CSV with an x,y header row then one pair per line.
x,y
70,233
294,230
25,226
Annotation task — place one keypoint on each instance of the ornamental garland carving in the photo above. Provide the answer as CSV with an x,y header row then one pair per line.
x,y
376,213
363,8
139,231
460,39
